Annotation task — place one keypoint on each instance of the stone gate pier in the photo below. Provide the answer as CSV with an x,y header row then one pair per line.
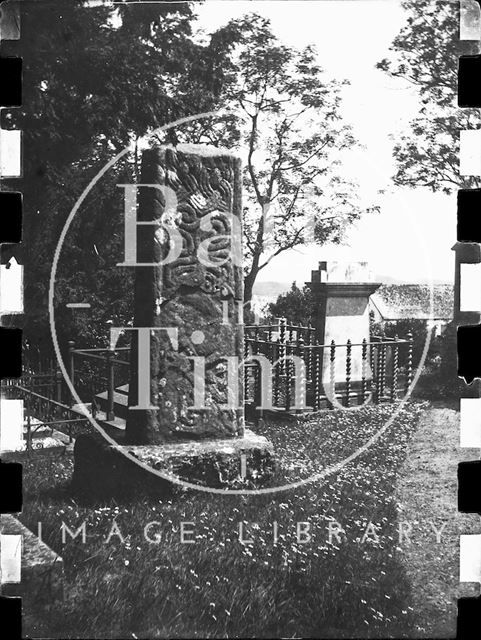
x,y
341,294
185,397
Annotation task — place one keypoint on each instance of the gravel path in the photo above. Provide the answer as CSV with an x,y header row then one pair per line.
x,y
427,494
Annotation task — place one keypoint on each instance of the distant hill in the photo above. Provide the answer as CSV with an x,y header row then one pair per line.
x,y
271,289
390,280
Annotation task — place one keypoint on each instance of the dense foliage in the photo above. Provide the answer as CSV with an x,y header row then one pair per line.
x,y
425,53
95,80
296,305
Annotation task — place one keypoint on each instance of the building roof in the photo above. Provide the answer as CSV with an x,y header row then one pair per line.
x,y
402,301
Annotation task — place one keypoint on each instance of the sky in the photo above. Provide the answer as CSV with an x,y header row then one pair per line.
x,y
410,239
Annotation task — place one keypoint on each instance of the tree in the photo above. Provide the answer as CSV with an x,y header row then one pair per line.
x,y
284,116
290,125
425,53
296,305
94,80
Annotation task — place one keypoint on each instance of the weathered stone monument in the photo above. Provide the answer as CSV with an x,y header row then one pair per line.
x,y
186,405
341,294
195,290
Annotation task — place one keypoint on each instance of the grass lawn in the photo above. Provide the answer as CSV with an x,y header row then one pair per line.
x,y
340,585
428,491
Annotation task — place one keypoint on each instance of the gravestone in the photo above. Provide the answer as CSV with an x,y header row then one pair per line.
x,y
341,294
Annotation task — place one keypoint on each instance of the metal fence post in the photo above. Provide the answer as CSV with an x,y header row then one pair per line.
x,y
246,369
308,343
288,379
257,379
372,360
363,370
382,370
348,372
376,360
332,371
282,343
58,385
316,374
71,354
395,368
302,356
276,373
111,385
29,424
409,368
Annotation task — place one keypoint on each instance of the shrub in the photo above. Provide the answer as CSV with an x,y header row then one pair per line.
x,y
296,305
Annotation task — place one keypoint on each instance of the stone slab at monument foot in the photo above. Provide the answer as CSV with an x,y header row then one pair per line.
x,y
40,582
185,396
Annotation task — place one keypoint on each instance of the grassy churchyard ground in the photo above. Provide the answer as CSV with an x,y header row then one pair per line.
x,y
335,584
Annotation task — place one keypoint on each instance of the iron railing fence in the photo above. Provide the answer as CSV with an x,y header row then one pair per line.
x,y
43,415
285,369
97,370
306,375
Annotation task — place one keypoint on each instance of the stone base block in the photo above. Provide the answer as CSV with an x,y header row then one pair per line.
x,y
41,582
101,469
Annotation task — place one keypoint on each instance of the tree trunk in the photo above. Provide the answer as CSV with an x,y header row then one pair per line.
x,y
249,282
250,278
